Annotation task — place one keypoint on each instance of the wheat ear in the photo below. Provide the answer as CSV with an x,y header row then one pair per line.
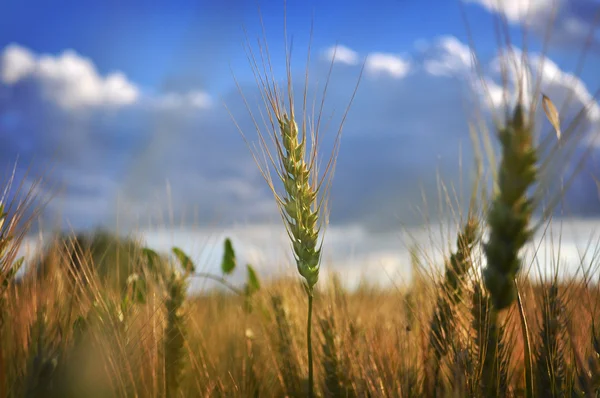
x,y
303,201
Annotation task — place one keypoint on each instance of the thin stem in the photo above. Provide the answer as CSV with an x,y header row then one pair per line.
x,y
527,346
219,279
309,344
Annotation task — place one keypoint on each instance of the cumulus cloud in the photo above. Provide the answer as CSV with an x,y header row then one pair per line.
x,y
433,105
389,64
72,82
553,81
517,10
570,21
447,57
179,153
341,54
354,255
17,62
90,136
68,79
377,63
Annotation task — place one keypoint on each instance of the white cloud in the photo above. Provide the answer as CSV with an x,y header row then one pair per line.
x,y
199,99
341,54
562,22
517,10
399,156
390,64
376,63
352,253
553,81
17,62
68,79
492,94
448,57
554,76
382,260
73,82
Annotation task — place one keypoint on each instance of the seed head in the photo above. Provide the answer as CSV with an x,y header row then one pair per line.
x,y
299,207
511,210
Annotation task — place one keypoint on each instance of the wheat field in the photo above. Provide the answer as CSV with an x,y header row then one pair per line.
x,y
102,315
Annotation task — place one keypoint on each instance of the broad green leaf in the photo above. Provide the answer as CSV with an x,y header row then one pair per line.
x,y
228,263
186,263
253,282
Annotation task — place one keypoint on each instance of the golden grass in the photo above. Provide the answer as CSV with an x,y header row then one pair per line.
x,y
60,345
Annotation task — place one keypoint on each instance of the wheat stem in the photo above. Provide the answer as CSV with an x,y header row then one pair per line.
x,y
527,346
309,345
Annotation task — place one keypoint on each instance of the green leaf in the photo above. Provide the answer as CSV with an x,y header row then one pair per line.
x,y
151,256
186,263
228,263
253,282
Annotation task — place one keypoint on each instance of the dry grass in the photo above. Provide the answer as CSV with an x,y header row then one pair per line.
x,y
369,343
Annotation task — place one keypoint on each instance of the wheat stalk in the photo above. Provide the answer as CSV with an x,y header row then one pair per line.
x,y
302,201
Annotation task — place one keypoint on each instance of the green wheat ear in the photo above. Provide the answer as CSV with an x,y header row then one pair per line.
x,y
511,210
299,203
292,152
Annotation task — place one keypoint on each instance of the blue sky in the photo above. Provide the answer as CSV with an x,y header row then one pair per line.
x,y
122,102
162,43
